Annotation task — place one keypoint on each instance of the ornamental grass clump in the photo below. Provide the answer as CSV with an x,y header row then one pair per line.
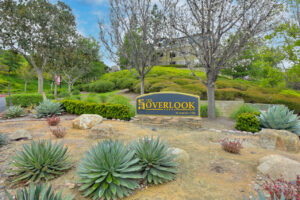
x,y
13,112
281,118
109,170
37,192
232,145
48,108
40,161
156,159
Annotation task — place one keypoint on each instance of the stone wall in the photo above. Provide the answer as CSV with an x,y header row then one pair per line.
x,y
169,121
226,107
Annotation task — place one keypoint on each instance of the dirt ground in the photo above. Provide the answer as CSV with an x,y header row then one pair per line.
x,y
208,174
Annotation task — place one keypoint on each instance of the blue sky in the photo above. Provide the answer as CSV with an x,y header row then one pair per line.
x,y
88,13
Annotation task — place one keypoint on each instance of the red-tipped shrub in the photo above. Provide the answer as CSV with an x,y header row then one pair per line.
x,y
59,131
53,121
280,186
232,145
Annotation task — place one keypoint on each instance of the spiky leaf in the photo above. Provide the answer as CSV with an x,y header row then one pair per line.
x,y
156,159
109,171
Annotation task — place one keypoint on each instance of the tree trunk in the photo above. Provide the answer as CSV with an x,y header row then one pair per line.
x,y
25,86
69,87
142,84
55,88
40,80
211,101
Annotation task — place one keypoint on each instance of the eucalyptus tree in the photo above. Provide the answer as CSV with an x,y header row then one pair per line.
x,y
36,29
133,34
217,30
77,59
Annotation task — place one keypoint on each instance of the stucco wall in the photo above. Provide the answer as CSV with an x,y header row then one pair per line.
x,y
226,107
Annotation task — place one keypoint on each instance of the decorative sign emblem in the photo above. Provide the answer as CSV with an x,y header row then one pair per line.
x,y
168,103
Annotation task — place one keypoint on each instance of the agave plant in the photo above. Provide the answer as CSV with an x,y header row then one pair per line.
x,y
109,171
3,140
38,192
261,196
40,161
280,117
156,159
48,108
13,111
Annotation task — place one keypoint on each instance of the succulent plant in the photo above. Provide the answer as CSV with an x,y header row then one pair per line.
x,y
40,161
13,111
156,159
58,131
261,196
3,140
109,171
38,192
48,108
53,121
281,118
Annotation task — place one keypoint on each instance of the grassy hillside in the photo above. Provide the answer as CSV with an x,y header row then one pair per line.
x,y
181,80
17,84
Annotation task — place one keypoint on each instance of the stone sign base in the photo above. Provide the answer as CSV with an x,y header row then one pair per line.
x,y
169,121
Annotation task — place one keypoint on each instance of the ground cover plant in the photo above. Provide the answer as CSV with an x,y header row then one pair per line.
x,y
13,112
156,159
38,192
281,118
180,80
53,121
32,163
232,145
48,108
109,171
58,132
247,122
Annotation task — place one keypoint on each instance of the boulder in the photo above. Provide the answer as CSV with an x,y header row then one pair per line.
x,y
279,139
86,121
101,131
276,166
181,155
20,135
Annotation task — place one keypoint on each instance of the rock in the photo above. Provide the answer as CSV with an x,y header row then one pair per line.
x,y
279,139
20,135
276,166
86,121
181,155
101,131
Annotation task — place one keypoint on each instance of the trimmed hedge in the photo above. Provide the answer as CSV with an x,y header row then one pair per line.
x,y
26,100
247,122
106,110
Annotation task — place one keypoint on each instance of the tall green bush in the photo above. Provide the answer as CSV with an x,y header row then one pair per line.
x,y
26,100
106,110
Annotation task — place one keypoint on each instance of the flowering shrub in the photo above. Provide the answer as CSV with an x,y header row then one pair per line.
x,y
280,186
53,121
232,145
59,131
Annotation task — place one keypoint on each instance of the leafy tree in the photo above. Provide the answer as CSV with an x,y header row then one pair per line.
x,y
97,69
26,72
36,29
217,30
141,23
78,58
